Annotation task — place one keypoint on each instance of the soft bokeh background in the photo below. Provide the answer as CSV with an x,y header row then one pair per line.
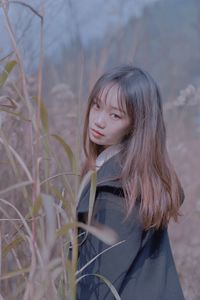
x,y
84,38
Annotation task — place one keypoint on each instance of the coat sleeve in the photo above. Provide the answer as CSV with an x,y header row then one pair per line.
x,y
114,264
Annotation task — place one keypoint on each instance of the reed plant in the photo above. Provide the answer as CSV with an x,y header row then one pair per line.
x,y
40,154
39,189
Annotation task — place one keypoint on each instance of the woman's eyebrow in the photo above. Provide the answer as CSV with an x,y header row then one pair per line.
x,y
117,108
111,106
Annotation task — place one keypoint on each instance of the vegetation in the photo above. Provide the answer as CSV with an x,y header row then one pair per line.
x,y
40,138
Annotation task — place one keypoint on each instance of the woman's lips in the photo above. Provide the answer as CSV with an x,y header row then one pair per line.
x,y
97,133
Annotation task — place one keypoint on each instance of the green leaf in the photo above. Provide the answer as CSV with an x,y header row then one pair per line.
x,y
36,206
92,195
43,114
12,245
8,68
68,152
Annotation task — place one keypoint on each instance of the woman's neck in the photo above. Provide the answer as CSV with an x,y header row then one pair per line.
x,y
107,153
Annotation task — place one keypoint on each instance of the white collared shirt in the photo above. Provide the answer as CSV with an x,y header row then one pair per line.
x,y
106,154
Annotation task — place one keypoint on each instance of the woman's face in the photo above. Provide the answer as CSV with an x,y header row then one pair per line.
x,y
108,122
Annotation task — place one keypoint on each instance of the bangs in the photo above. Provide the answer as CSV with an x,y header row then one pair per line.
x,y
102,94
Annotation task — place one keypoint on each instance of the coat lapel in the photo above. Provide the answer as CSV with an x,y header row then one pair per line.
x,y
107,175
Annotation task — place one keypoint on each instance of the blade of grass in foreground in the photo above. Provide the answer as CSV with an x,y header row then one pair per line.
x,y
95,257
8,68
105,234
107,282
68,151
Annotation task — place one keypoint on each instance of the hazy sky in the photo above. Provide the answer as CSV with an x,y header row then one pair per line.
x,y
63,18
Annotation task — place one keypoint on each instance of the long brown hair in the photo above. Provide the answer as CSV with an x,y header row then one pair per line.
x,y
147,173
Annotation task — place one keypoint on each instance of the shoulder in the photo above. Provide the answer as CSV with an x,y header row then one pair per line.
x,y
110,173
108,180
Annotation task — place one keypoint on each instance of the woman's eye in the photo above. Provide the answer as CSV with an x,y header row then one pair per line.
x,y
115,116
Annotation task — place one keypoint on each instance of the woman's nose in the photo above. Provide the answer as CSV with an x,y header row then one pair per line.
x,y
100,121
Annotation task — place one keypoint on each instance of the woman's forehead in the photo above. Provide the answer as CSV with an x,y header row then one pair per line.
x,y
112,96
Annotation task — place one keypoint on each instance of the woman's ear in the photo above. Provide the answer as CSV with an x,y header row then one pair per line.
x,y
127,134
129,130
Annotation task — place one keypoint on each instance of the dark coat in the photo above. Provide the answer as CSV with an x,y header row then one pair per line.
x,y
142,267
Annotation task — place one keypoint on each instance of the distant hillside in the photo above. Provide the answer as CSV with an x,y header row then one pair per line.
x,y
169,44
165,41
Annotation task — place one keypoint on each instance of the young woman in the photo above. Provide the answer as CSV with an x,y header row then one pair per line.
x,y
138,191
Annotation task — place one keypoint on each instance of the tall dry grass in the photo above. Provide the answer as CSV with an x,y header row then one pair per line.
x,y
40,185
40,155
183,124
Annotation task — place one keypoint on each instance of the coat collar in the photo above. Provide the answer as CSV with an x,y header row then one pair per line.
x,y
107,154
108,175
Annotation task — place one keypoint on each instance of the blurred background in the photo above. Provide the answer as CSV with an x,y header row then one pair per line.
x,y
82,39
